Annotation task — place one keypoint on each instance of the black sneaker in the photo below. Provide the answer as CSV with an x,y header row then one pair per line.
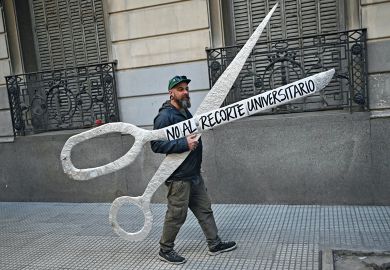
x,y
222,247
171,257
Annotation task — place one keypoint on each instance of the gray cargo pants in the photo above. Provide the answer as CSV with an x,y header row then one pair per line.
x,y
181,195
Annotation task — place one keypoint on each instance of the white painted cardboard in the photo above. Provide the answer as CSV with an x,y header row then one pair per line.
x,y
206,117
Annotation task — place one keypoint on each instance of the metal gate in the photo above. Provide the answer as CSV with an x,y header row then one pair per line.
x,y
68,98
303,37
75,85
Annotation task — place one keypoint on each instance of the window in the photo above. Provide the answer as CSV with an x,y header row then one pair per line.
x,y
69,33
293,18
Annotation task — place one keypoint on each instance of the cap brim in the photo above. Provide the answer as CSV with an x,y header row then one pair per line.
x,y
186,81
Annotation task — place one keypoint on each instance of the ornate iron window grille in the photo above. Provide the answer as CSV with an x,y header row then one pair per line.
x,y
70,98
276,63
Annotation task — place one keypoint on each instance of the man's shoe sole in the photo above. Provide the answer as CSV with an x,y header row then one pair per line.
x,y
165,260
222,251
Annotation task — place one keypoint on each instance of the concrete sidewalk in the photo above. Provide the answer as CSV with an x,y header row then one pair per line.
x,y
78,236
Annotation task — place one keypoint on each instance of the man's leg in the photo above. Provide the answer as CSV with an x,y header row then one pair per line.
x,y
200,205
178,198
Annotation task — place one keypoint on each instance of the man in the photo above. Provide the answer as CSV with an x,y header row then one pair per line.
x,y
186,188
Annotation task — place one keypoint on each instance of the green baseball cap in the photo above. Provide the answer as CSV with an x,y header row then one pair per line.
x,y
176,80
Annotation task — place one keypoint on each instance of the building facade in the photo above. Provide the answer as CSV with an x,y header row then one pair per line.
x,y
66,64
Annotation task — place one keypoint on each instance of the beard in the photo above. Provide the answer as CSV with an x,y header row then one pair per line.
x,y
184,102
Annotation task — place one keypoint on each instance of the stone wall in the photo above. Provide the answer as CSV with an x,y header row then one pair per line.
x,y
313,158
5,117
162,38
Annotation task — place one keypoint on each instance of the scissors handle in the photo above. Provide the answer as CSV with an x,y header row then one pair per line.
x,y
140,135
166,168
142,203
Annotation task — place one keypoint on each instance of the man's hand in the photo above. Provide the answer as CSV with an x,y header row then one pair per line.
x,y
192,142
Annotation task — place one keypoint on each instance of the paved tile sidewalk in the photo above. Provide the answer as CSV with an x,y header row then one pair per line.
x,y
78,236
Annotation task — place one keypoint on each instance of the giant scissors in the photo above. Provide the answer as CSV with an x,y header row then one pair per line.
x,y
207,116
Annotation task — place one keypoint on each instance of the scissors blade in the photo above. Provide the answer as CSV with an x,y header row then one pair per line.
x,y
213,100
221,88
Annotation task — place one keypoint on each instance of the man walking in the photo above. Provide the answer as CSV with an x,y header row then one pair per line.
x,y
186,188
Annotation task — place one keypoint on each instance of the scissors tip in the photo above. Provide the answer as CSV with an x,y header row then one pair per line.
x,y
330,73
323,79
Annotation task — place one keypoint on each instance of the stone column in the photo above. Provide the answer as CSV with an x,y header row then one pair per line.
x,y
375,17
6,131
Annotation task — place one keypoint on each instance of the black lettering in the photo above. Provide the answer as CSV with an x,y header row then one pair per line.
x,y
235,111
274,93
296,91
228,113
311,86
241,109
223,115
192,128
258,103
171,134
177,132
217,116
264,100
302,87
281,94
203,122
289,91
211,119
250,105
269,97
187,127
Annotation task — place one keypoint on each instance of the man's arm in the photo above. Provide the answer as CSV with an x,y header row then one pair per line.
x,y
167,147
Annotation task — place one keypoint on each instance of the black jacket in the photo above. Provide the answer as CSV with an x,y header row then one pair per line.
x,y
190,168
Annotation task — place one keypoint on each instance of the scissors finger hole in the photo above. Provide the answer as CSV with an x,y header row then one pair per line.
x,y
148,218
101,150
130,217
